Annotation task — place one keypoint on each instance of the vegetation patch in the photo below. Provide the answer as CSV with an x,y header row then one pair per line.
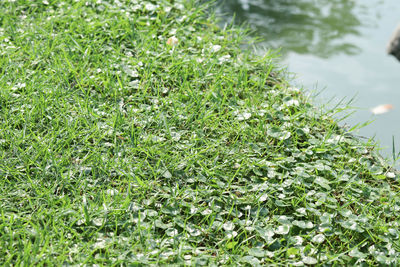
x,y
139,133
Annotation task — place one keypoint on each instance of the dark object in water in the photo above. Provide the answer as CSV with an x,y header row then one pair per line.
x,y
394,44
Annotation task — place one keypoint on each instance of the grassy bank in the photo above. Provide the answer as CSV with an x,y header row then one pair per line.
x,y
138,132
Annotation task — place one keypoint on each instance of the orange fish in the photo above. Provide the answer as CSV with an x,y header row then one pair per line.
x,y
381,109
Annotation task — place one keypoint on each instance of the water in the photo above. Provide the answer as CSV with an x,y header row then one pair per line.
x,y
337,47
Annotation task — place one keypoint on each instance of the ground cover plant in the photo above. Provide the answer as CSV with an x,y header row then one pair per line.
x,y
139,133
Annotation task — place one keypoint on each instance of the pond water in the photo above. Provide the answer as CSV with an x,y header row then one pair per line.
x,y
337,48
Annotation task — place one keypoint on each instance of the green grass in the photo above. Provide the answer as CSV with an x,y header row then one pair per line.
x,y
121,147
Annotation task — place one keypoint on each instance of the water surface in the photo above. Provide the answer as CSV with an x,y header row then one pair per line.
x,y
337,47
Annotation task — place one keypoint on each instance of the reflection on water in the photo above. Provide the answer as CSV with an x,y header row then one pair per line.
x,y
315,27
338,45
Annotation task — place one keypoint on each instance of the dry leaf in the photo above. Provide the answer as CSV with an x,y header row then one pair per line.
x,y
381,109
172,41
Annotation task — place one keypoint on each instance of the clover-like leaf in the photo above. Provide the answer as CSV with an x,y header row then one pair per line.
x,y
257,252
228,226
283,229
303,224
357,254
253,261
266,234
310,260
171,232
345,212
324,183
244,116
193,231
320,238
